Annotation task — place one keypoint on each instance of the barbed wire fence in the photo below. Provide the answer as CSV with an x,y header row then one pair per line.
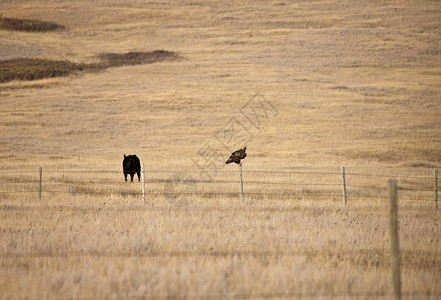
x,y
341,186
256,184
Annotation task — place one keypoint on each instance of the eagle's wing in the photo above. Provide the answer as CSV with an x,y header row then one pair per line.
x,y
236,153
234,157
240,153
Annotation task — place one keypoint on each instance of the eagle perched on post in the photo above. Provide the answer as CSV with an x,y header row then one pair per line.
x,y
237,156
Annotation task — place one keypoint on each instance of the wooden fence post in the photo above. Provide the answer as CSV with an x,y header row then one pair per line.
x,y
143,182
393,226
435,187
41,182
241,183
345,197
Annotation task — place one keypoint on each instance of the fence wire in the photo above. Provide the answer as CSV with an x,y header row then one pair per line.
x,y
98,171
313,183
265,295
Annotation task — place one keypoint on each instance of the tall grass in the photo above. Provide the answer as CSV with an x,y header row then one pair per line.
x,y
117,246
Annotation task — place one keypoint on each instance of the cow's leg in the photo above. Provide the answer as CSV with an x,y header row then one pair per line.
x,y
131,176
139,175
125,176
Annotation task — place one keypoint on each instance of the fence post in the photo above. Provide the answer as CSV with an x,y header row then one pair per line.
x,y
41,182
393,226
143,182
435,187
241,183
345,197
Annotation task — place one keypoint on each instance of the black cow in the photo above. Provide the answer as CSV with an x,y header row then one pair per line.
x,y
131,165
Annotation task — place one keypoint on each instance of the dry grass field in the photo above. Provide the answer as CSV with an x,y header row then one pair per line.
x,y
308,86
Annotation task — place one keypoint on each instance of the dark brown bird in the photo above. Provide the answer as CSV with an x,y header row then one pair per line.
x,y
237,156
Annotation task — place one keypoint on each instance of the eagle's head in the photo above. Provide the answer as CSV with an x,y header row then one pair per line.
x,y
244,148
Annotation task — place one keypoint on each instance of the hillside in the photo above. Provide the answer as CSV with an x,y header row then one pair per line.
x,y
308,86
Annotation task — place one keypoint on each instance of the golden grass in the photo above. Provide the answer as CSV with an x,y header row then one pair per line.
x,y
121,249
350,84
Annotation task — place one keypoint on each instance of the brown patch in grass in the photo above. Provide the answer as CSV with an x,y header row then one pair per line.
x,y
136,58
419,164
28,25
428,157
34,69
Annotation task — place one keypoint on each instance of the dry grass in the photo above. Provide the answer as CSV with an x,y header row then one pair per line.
x,y
354,84
92,236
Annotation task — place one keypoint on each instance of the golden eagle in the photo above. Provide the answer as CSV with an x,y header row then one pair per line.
x,y
236,156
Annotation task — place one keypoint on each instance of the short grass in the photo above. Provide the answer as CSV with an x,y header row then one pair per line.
x,y
308,86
